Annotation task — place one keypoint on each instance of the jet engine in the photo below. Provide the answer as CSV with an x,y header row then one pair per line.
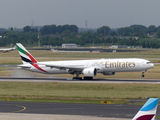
x,y
90,72
108,73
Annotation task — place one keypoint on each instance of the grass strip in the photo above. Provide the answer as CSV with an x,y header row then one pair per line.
x,y
78,92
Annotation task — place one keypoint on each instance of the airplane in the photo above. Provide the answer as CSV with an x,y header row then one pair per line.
x,y
148,110
88,68
7,49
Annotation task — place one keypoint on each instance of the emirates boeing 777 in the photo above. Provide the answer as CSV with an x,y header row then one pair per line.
x,y
88,68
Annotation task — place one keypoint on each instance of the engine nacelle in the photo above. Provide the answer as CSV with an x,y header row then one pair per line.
x,y
89,72
108,73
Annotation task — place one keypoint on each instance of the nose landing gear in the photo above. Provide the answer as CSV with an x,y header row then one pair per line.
x,y
143,73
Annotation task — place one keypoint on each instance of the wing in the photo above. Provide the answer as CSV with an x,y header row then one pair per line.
x,y
69,67
64,67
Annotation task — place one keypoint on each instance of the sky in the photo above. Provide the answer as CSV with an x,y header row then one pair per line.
x,y
97,13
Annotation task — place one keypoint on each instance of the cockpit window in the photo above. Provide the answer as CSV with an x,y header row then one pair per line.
x,y
148,62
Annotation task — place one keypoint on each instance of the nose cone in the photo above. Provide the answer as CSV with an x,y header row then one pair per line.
x,y
149,64
152,65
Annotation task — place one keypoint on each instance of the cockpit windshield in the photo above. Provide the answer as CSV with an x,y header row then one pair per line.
x,y
149,63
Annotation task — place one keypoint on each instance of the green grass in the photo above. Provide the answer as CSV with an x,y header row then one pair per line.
x,y
77,92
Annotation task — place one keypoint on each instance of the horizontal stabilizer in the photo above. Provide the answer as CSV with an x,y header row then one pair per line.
x,y
24,66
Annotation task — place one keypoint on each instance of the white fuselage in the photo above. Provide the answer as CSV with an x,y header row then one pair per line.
x,y
102,65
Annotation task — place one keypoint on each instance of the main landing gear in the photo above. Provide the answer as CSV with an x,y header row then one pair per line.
x,y
77,78
84,78
88,78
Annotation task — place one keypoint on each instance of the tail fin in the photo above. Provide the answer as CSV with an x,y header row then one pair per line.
x,y
148,111
25,55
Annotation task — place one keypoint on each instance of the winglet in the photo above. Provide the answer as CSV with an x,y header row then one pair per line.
x,y
148,111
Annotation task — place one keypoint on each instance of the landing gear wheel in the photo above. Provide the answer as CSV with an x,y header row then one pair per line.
x,y
142,75
77,78
88,78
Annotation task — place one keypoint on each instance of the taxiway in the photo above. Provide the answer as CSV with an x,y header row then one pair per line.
x,y
82,111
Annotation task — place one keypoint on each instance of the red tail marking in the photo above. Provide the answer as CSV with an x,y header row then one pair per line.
x,y
35,61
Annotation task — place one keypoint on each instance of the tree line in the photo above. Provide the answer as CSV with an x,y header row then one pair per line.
x,y
134,35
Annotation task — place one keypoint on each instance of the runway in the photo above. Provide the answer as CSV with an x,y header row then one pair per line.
x,y
69,80
95,111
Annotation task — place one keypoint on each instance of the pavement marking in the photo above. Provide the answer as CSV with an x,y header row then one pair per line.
x,y
24,108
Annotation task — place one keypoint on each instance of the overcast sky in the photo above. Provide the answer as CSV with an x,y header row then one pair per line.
x,y
112,13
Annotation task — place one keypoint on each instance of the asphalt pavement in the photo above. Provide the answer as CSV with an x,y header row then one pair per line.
x,y
98,111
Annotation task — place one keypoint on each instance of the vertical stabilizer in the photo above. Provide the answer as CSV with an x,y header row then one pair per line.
x,y
148,111
25,55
